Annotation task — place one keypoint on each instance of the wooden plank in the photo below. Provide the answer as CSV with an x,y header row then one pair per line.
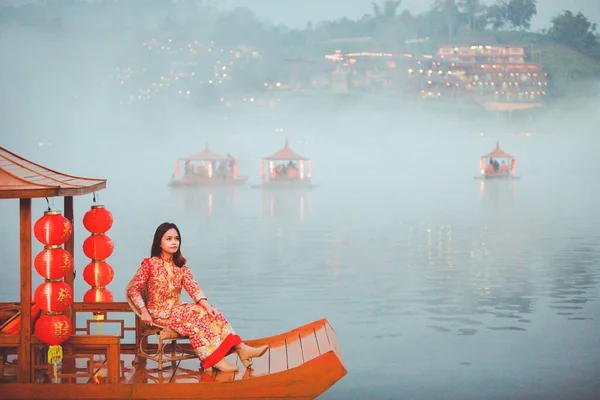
x,y
294,351
120,306
310,348
269,339
278,357
333,340
70,278
322,340
9,340
113,362
24,364
70,247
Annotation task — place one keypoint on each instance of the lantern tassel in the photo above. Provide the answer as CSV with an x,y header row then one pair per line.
x,y
55,354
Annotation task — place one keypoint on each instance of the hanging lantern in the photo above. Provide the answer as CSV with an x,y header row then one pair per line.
x,y
309,172
98,219
98,273
53,329
98,295
52,228
53,262
53,296
98,247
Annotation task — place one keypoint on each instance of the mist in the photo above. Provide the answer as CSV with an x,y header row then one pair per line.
x,y
398,246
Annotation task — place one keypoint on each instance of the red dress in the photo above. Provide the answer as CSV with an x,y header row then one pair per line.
x,y
211,337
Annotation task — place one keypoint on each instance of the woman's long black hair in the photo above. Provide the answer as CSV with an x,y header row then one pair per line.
x,y
178,258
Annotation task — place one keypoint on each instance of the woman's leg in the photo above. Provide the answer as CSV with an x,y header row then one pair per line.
x,y
211,337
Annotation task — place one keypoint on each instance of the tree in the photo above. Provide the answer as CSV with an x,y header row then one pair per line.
x,y
389,10
575,31
520,12
497,15
384,21
473,10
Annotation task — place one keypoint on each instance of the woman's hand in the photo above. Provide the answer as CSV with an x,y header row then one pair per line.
x,y
146,318
209,309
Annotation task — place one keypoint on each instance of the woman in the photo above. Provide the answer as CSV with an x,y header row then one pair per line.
x,y
163,275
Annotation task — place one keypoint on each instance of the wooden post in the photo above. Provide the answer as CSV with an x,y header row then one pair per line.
x,y
24,352
70,247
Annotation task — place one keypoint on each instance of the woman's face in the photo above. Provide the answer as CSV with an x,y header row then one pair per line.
x,y
170,242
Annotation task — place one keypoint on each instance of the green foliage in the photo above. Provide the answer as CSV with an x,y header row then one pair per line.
x,y
563,50
520,12
575,31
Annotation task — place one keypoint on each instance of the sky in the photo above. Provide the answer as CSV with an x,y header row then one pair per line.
x,y
297,13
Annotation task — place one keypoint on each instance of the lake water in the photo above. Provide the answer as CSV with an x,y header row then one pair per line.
x,y
438,287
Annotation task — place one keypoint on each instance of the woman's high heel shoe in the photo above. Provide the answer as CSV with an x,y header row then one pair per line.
x,y
224,366
254,353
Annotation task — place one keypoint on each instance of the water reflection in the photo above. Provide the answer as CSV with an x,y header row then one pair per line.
x,y
498,192
473,282
574,284
283,204
206,202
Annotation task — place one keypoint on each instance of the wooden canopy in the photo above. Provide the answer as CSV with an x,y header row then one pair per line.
x,y
24,179
286,154
498,153
206,155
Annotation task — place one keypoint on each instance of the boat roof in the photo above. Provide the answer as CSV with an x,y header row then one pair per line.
x,y
286,154
498,153
23,179
206,155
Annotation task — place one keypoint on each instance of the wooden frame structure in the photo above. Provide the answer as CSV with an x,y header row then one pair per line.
x,y
485,162
25,180
206,174
274,176
301,363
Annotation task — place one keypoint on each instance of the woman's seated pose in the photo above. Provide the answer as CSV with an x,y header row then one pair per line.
x,y
163,275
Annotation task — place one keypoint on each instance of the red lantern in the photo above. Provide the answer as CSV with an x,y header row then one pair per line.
x,y
53,262
53,329
52,229
53,296
98,295
98,219
98,247
98,273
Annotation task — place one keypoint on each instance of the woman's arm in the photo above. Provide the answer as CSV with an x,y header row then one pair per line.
x,y
137,283
190,285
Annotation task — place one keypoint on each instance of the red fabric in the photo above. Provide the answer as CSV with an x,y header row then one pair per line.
x,y
230,341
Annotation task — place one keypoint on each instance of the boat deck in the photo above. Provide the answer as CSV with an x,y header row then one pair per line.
x,y
301,364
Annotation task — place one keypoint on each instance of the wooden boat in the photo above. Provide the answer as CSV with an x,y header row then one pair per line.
x,y
285,169
301,363
207,168
506,169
